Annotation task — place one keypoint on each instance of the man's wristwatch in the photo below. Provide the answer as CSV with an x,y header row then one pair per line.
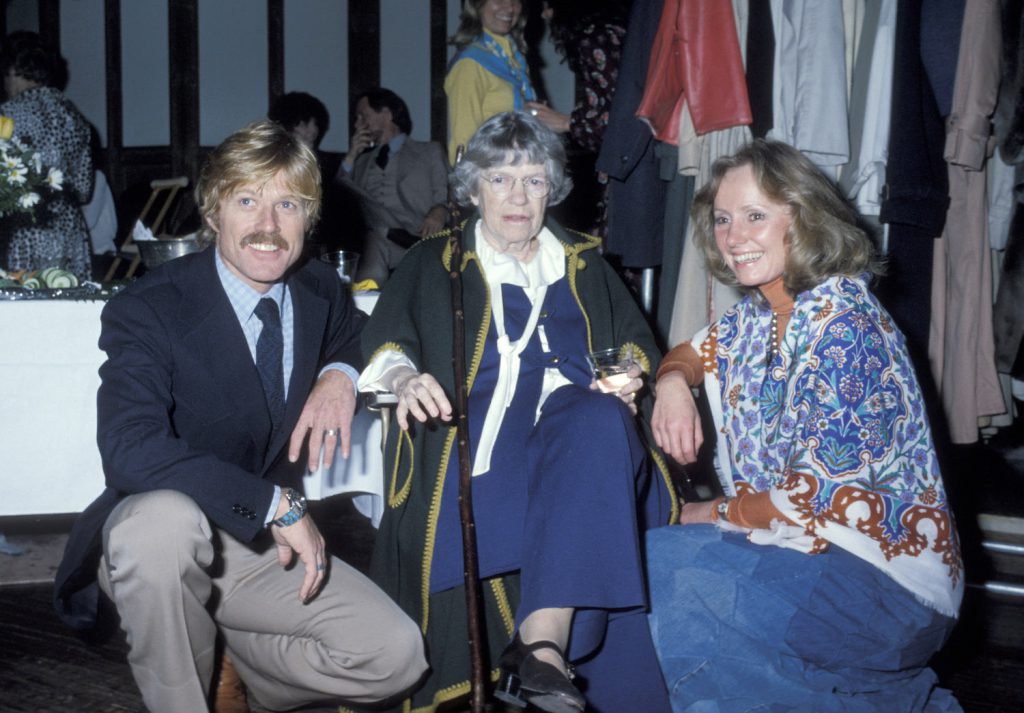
x,y
723,510
298,508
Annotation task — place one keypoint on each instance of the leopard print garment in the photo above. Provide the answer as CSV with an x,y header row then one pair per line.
x,y
58,237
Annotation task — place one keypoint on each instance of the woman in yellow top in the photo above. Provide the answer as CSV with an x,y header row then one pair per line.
x,y
487,75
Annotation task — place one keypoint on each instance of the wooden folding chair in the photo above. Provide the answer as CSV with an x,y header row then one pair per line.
x,y
168,189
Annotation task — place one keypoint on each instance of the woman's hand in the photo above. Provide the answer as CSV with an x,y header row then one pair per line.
x,y
419,395
675,422
554,120
698,513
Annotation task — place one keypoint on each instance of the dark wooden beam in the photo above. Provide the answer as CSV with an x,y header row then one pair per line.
x,y
275,50
115,99
363,47
49,23
438,68
183,40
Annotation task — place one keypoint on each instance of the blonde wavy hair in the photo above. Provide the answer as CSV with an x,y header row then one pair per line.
x,y
823,239
257,154
471,25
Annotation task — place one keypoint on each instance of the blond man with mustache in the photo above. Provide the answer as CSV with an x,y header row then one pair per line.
x,y
226,371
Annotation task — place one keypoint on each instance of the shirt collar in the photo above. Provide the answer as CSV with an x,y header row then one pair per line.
x,y
242,297
397,142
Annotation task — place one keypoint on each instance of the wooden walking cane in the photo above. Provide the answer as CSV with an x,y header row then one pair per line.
x,y
471,568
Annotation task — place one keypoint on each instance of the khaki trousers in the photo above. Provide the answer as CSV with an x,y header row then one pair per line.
x,y
178,582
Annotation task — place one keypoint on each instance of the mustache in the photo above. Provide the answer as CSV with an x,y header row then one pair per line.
x,y
265,238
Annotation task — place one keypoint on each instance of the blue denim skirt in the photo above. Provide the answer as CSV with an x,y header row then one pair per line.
x,y
745,627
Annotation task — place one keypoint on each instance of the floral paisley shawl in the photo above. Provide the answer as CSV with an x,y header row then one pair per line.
x,y
836,430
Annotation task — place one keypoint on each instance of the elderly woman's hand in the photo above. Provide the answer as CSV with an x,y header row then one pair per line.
x,y
675,422
628,392
420,395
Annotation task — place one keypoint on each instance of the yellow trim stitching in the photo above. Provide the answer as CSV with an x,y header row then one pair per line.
x,y
660,464
431,534
572,264
386,346
397,498
452,692
639,355
504,606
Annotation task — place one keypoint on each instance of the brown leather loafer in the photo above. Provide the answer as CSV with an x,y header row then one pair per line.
x,y
229,693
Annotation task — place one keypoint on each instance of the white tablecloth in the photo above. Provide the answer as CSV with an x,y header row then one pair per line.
x,y
49,461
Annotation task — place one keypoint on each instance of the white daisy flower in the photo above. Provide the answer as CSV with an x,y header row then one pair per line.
x,y
28,200
55,178
17,173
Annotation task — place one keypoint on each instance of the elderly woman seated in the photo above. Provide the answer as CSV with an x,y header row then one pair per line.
x,y
564,484
834,571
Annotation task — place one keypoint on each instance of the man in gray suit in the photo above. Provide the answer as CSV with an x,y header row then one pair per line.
x,y
403,183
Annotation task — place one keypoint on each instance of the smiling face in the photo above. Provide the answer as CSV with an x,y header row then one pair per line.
x,y
500,16
750,228
511,221
260,232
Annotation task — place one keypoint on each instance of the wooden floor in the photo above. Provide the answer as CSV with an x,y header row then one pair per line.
x,y
45,667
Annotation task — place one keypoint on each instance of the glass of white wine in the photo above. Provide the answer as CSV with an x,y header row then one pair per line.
x,y
610,368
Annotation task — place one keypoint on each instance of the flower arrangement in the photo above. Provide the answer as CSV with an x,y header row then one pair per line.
x,y
22,174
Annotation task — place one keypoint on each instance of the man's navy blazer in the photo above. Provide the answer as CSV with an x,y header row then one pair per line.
x,y
181,404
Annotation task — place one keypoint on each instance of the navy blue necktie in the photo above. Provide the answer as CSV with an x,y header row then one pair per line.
x,y
382,156
269,354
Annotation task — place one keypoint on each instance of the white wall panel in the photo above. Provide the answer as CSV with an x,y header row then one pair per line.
x,y
405,58
144,73
316,60
233,66
81,40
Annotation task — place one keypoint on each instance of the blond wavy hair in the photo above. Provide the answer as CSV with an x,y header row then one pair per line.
x,y
255,155
471,25
823,240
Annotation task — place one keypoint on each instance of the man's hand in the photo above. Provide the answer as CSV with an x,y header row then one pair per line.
x,y
302,538
361,141
675,421
433,221
327,417
420,395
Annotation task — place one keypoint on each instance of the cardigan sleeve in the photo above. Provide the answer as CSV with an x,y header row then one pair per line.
x,y
683,358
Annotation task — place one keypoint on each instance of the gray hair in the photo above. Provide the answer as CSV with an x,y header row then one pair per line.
x,y
511,139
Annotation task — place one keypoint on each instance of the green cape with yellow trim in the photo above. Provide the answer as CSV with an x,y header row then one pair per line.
x,y
414,316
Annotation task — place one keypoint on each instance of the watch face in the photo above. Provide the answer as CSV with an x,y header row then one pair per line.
x,y
296,500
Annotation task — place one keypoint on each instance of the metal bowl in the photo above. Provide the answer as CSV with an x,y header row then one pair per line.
x,y
157,252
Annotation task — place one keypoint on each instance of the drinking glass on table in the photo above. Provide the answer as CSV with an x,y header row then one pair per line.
x,y
610,368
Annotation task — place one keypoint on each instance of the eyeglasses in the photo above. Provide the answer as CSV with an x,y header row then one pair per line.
x,y
502,184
